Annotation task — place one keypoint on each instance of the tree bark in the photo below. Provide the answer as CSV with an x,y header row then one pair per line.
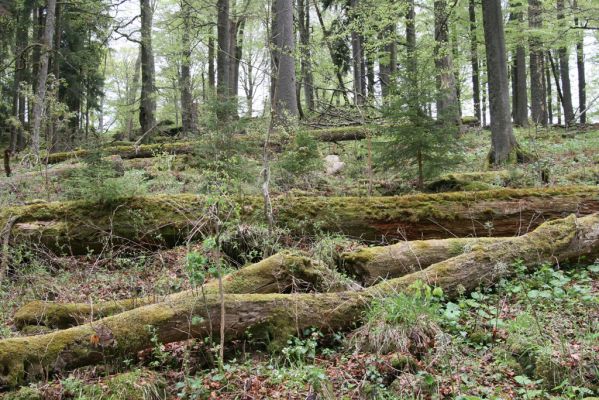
x,y
582,90
223,59
519,86
503,141
147,107
564,66
132,90
79,227
40,98
447,100
474,61
211,72
280,273
388,61
284,99
275,317
187,112
538,99
303,12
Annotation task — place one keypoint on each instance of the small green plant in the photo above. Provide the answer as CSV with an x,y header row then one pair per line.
x,y
300,159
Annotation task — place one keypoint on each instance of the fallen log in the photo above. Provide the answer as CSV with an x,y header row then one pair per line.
x,y
371,264
126,151
276,316
339,134
276,274
80,227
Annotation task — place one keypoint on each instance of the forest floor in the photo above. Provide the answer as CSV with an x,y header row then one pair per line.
x,y
535,336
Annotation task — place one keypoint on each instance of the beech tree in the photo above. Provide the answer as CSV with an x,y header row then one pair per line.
x,y
503,141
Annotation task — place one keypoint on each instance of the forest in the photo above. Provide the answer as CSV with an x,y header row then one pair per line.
x,y
299,199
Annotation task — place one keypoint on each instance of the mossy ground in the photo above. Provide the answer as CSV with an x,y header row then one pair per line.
x,y
533,337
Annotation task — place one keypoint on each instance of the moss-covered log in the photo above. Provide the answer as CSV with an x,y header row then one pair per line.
x,y
279,315
126,151
80,227
276,274
340,134
372,264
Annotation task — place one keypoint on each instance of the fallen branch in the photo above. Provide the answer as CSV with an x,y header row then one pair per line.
x,y
155,221
276,316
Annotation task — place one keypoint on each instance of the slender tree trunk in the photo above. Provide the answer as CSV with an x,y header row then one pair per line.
x,y
538,100
412,60
222,58
17,141
40,98
356,46
188,123
474,61
503,141
132,95
582,89
147,108
447,100
549,96
211,72
564,67
388,61
303,12
519,86
53,141
284,92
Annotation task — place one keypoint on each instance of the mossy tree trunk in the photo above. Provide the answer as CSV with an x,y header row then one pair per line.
x,y
80,227
280,273
275,316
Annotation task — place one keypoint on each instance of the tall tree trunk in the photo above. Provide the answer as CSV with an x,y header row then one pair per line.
x,y
147,108
519,86
187,112
582,89
357,56
40,98
503,141
222,58
388,61
17,140
284,91
132,90
412,61
303,12
447,100
538,100
564,67
474,60
211,72
549,97
53,141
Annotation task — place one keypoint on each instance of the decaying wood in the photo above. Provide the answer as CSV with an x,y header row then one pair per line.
x,y
166,220
276,274
275,316
372,264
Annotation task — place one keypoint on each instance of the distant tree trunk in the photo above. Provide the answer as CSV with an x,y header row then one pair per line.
x,y
187,122
370,76
211,72
582,90
39,22
147,108
549,95
411,58
303,12
53,142
236,31
519,86
17,140
284,91
564,66
447,100
455,52
40,98
474,60
222,58
357,56
538,98
503,141
388,61
132,90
